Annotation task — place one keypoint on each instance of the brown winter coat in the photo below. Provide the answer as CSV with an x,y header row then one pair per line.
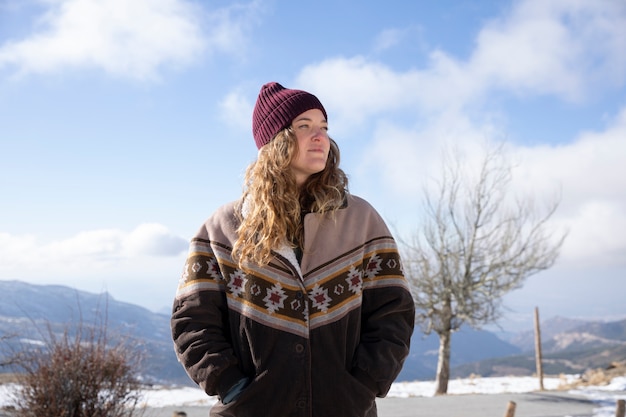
x,y
319,339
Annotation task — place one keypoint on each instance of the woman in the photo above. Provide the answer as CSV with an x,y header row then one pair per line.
x,y
292,301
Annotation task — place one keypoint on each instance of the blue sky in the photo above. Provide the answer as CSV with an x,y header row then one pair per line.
x,y
123,125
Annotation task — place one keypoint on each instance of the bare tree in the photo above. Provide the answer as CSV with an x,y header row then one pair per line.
x,y
475,245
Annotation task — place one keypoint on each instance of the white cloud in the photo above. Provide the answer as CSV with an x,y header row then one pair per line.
x,y
591,173
590,166
141,266
132,39
154,240
388,38
558,47
229,27
393,37
355,89
235,109
595,236
569,49
14,247
412,155
89,249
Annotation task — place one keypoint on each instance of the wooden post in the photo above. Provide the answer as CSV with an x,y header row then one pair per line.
x,y
538,357
621,408
510,409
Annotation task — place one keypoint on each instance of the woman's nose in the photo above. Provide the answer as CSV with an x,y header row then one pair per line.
x,y
318,133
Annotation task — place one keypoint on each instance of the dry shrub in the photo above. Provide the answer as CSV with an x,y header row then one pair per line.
x,y
78,375
599,376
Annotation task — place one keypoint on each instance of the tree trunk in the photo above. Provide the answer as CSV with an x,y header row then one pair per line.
x,y
443,364
538,353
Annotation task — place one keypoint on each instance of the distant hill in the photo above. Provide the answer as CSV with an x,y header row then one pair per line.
x,y
568,346
468,345
525,340
29,312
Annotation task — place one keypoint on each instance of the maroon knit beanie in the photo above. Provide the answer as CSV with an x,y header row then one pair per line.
x,y
275,109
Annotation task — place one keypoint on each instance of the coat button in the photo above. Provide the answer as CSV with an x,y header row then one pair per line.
x,y
299,348
301,404
299,294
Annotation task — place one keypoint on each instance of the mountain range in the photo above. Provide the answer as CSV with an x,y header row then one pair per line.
x,y
28,313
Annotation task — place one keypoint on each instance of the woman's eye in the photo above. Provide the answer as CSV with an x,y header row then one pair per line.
x,y
306,127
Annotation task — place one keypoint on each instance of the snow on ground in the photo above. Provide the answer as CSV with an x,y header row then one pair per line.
x,y
605,396
182,396
477,385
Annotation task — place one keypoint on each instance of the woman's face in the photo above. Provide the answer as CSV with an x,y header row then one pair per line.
x,y
311,129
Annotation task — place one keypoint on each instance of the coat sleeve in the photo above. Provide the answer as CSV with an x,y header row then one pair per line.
x,y
387,313
388,316
199,323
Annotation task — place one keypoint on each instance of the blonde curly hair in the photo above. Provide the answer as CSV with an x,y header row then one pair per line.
x,y
271,208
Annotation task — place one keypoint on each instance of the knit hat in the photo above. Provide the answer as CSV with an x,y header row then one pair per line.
x,y
275,109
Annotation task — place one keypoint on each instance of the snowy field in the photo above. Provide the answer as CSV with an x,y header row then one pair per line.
x,y
604,396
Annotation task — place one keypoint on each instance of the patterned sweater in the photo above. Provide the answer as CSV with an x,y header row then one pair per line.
x,y
319,339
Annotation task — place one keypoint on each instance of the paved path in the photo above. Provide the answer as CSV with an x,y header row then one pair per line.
x,y
539,404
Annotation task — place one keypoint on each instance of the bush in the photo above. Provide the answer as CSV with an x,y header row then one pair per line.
x,y
77,375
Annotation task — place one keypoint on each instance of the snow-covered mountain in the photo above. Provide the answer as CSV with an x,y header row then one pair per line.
x,y
29,312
